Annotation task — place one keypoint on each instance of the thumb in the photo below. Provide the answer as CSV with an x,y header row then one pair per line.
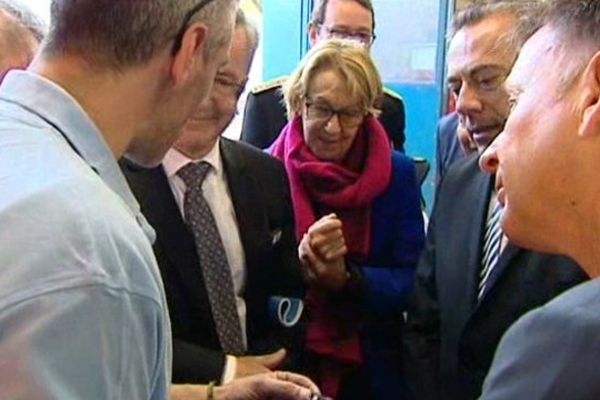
x,y
273,360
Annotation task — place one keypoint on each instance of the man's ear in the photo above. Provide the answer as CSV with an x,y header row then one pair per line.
x,y
193,43
590,99
313,33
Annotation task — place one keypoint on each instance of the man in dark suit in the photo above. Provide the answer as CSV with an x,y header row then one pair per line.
x,y
453,143
472,284
248,196
265,114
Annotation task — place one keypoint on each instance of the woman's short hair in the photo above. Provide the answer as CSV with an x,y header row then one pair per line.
x,y
351,61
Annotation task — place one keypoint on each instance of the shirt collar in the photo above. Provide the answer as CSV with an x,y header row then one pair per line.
x,y
58,108
174,160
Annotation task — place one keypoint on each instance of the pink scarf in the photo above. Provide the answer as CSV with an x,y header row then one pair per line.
x,y
348,189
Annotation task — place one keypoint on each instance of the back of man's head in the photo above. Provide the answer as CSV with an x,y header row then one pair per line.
x,y
123,33
20,34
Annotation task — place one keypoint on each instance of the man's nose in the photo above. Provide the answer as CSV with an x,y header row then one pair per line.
x,y
467,100
488,161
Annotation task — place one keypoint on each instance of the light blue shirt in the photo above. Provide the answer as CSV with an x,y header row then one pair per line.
x,y
82,308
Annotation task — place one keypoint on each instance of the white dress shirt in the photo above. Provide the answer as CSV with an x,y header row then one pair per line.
x,y
216,192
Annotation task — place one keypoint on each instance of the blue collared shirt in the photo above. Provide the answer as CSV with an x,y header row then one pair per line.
x,y
82,308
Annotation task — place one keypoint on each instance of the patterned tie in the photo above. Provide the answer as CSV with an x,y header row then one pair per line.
x,y
492,242
215,269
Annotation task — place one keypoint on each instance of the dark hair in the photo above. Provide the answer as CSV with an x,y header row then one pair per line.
x,y
320,8
121,33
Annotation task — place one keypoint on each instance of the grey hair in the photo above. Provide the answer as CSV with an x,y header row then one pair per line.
x,y
578,43
526,13
252,35
25,17
121,33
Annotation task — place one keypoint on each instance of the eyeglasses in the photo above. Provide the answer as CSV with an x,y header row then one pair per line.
x,y
363,38
322,113
186,22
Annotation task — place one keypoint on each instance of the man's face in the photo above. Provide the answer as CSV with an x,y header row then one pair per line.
x,y
479,59
535,158
175,104
344,19
214,114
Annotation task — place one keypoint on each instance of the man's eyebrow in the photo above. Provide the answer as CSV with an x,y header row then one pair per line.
x,y
487,68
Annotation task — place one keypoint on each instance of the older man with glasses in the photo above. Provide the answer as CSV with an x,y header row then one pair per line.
x,y
265,115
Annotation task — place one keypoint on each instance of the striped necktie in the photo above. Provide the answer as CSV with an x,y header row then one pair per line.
x,y
213,259
492,242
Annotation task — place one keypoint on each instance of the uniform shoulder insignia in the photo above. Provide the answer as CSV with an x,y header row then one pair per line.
x,y
391,93
268,85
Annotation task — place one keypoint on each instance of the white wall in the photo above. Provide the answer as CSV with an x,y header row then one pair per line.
x,y
40,7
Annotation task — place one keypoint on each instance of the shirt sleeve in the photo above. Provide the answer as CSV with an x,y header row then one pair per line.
x,y
84,342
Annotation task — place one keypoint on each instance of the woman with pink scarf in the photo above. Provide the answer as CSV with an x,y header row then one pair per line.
x,y
358,221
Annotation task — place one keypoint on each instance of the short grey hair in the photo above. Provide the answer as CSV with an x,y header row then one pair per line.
x,y
121,33
252,35
526,13
25,17
577,24
20,32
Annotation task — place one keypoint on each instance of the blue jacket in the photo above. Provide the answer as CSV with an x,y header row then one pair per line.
x,y
397,238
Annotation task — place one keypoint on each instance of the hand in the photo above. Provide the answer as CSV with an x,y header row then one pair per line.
x,y
326,238
274,385
252,365
465,140
322,252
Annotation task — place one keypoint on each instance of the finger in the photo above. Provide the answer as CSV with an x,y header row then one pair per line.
x,y
326,225
331,249
335,252
323,239
273,360
297,379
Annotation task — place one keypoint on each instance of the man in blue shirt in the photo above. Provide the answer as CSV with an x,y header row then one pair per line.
x,y
82,308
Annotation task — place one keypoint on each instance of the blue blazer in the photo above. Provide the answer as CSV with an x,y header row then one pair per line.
x,y
397,238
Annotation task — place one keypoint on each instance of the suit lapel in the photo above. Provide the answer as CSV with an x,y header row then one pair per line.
x,y
175,243
244,198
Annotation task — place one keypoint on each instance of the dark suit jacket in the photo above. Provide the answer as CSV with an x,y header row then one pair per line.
x,y
261,199
451,337
265,117
448,150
